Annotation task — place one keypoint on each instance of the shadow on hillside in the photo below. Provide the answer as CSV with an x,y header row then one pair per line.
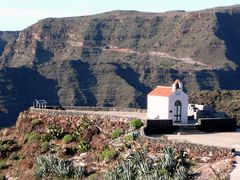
x,y
132,78
229,31
222,79
25,85
2,45
42,54
86,80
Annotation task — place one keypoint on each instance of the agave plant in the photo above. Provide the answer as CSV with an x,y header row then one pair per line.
x,y
139,167
181,173
112,175
49,165
144,169
169,161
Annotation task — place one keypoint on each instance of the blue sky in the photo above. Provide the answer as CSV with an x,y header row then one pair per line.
x,y
18,14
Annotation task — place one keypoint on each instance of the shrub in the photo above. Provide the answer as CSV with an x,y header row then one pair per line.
x,y
55,132
108,154
83,146
35,122
31,137
136,123
54,148
45,146
128,139
49,165
3,165
46,138
116,134
84,124
131,137
68,138
3,148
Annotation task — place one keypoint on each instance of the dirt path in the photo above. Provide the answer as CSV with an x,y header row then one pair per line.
x,y
187,60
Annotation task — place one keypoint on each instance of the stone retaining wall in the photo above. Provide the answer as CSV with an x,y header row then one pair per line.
x,y
199,152
97,108
51,112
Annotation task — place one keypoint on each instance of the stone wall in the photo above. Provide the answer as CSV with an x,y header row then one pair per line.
x,y
67,120
52,112
96,108
217,124
201,153
162,126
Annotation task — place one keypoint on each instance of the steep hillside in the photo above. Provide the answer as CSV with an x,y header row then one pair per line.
x,y
116,58
53,144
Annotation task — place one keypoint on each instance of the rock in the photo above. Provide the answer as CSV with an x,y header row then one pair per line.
x,y
88,133
99,142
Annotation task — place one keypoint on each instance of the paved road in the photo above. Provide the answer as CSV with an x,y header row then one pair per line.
x,y
227,140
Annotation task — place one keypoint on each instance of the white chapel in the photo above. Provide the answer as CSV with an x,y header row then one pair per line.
x,y
165,103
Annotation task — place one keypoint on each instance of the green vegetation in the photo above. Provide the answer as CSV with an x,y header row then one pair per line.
x,y
51,166
83,146
31,137
55,132
139,166
108,154
116,134
35,122
136,123
46,137
128,139
84,124
68,138
4,148
224,101
45,146
3,165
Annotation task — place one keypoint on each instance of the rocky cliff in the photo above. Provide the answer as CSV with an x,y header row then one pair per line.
x,y
116,58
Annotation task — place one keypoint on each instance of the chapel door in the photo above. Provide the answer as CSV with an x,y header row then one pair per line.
x,y
178,111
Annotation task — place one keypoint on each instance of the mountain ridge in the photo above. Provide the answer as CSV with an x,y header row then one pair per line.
x,y
116,58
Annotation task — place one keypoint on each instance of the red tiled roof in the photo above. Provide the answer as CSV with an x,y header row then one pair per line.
x,y
161,91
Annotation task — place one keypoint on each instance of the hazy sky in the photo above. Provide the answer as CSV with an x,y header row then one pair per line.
x,y
18,14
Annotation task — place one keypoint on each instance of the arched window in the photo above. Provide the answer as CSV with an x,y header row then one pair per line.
x,y
178,111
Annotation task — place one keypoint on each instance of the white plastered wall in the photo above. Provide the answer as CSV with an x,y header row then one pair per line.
x,y
157,107
181,96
